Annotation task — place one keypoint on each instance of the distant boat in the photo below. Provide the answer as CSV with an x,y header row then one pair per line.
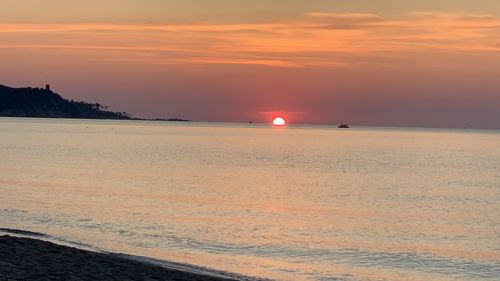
x,y
344,126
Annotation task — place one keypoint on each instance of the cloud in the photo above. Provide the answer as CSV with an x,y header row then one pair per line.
x,y
316,40
344,20
345,16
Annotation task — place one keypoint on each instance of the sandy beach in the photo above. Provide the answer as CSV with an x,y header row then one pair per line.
x,y
31,259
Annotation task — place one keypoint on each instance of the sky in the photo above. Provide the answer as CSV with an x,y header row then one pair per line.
x,y
419,63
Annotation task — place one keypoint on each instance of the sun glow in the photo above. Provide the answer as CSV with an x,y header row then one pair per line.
x,y
279,121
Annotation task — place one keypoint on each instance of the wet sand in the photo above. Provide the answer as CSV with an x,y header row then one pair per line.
x,y
31,259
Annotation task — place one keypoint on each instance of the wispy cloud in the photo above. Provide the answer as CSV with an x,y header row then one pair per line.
x,y
316,40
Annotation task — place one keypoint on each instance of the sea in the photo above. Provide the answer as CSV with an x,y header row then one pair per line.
x,y
294,203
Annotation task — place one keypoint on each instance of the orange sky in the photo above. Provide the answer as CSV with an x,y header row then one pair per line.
x,y
362,62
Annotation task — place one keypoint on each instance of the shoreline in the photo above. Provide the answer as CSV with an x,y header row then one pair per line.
x,y
28,258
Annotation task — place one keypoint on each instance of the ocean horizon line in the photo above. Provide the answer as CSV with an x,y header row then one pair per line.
x,y
262,124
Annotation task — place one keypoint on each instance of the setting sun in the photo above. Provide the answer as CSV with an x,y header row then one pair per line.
x,y
279,121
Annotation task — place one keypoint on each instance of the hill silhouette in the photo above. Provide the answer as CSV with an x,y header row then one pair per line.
x,y
37,102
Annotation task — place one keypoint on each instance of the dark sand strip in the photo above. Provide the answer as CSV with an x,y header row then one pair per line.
x,y
36,260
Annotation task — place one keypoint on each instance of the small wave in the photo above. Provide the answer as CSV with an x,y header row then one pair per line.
x,y
50,238
191,268
24,232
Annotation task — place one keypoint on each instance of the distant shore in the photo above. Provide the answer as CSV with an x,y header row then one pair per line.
x,y
44,103
31,259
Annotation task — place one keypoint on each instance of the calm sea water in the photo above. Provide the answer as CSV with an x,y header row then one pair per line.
x,y
303,203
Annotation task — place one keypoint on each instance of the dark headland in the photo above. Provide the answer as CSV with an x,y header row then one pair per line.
x,y
37,260
44,103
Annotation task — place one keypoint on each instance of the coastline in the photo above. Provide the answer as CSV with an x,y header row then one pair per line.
x,y
24,256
